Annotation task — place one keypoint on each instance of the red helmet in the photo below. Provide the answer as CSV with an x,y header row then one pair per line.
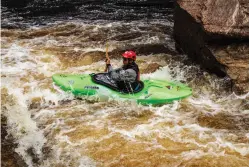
x,y
130,55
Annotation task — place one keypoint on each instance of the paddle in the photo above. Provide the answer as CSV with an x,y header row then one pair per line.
x,y
106,55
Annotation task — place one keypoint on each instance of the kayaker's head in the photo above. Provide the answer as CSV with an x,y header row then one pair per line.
x,y
129,57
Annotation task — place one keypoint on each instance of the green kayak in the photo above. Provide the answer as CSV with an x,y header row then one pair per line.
x,y
154,92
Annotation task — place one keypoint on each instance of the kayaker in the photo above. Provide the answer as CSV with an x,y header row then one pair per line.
x,y
128,76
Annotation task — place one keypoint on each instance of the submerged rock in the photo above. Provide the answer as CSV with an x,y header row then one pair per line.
x,y
215,33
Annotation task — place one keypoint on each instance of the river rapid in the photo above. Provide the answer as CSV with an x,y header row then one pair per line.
x,y
50,127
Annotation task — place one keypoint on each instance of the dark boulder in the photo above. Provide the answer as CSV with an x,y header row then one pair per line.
x,y
215,33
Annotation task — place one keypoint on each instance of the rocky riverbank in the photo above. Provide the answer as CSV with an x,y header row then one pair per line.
x,y
216,35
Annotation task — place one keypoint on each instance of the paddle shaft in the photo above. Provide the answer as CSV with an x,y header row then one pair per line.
x,y
107,56
106,52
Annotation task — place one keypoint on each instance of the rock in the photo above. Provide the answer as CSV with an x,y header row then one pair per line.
x,y
215,33
225,17
236,59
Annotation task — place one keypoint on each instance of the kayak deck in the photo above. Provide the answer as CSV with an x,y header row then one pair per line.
x,y
154,92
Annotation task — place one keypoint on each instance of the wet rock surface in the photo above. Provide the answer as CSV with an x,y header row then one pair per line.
x,y
216,35
225,17
236,59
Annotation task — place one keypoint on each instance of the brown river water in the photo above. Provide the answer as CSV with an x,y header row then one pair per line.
x,y
54,128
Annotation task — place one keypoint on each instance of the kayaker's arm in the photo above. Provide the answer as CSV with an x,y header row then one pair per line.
x,y
109,68
108,65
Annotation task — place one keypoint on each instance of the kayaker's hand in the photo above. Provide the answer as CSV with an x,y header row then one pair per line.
x,y
107,61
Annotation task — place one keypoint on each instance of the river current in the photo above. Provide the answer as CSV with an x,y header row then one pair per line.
x,y
54,128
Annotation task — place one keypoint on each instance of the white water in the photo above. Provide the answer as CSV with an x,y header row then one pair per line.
x,y
105,133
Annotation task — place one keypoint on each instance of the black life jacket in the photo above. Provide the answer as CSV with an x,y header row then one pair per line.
x,y
133,66
130,87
